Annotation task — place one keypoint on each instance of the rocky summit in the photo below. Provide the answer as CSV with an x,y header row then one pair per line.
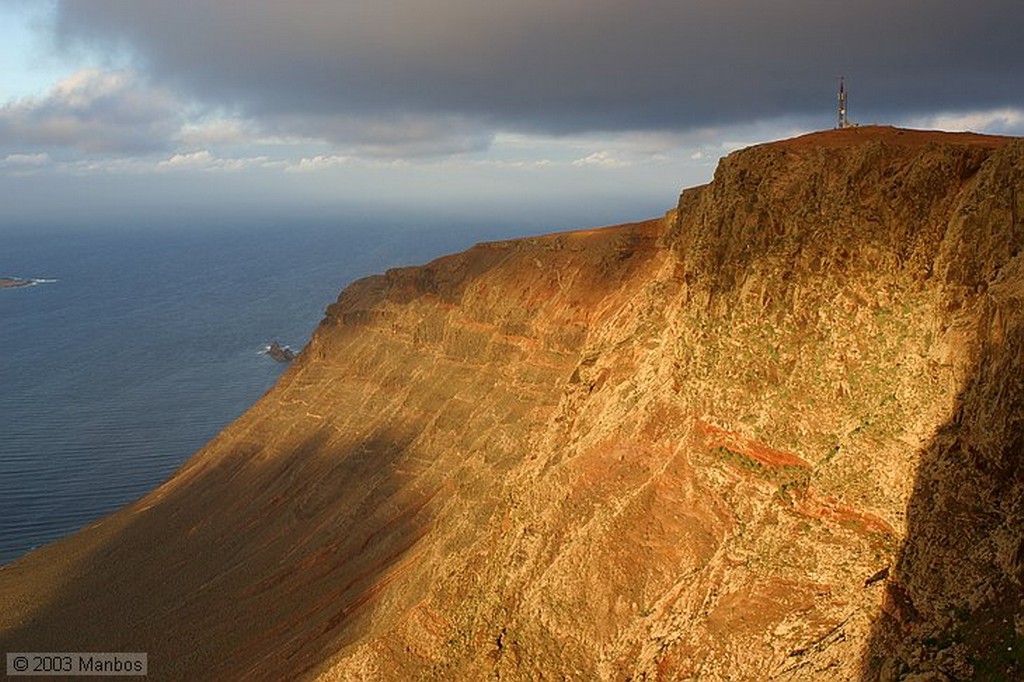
x,y
776,434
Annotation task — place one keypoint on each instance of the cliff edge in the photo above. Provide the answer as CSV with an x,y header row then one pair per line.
x,y
774,435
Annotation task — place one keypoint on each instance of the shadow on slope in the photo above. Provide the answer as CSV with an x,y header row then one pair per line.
x,y
257,568
954,606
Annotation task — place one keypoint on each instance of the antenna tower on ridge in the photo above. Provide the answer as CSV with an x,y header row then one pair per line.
x,y
844,122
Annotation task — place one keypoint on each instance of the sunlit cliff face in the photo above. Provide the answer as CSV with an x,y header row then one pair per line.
x,y
772,435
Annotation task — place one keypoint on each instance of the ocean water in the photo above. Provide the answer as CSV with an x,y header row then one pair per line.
x,y
147,342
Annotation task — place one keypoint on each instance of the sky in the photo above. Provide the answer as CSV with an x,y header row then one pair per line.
x,y
572,111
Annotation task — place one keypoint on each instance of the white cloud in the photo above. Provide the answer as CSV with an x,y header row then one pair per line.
x,y
317,163
602,159
25,160
221,131
243,163
104,166
24,164
81,89
96,112
200,159
1004,120
204,160
524,165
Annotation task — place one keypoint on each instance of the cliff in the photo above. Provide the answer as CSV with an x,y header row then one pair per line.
x,y
776,434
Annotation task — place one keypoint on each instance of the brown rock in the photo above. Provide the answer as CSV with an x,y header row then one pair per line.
x,y
611,454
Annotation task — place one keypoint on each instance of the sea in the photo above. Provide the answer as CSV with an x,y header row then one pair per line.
x,y
137,344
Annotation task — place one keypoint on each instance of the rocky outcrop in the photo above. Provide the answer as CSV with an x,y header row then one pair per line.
x,y
281,353
773,435
14,282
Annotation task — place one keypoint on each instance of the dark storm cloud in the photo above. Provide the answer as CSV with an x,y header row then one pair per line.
x,y
568,65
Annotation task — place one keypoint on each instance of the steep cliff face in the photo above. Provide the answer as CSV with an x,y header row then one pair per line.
x,y
774,435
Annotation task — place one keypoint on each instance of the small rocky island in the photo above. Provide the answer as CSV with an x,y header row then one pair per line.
x,y
280,353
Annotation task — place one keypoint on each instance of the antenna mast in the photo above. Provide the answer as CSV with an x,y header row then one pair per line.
x,y
844,122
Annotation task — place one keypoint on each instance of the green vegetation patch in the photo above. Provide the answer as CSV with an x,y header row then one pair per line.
x,y
790,479
740,460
